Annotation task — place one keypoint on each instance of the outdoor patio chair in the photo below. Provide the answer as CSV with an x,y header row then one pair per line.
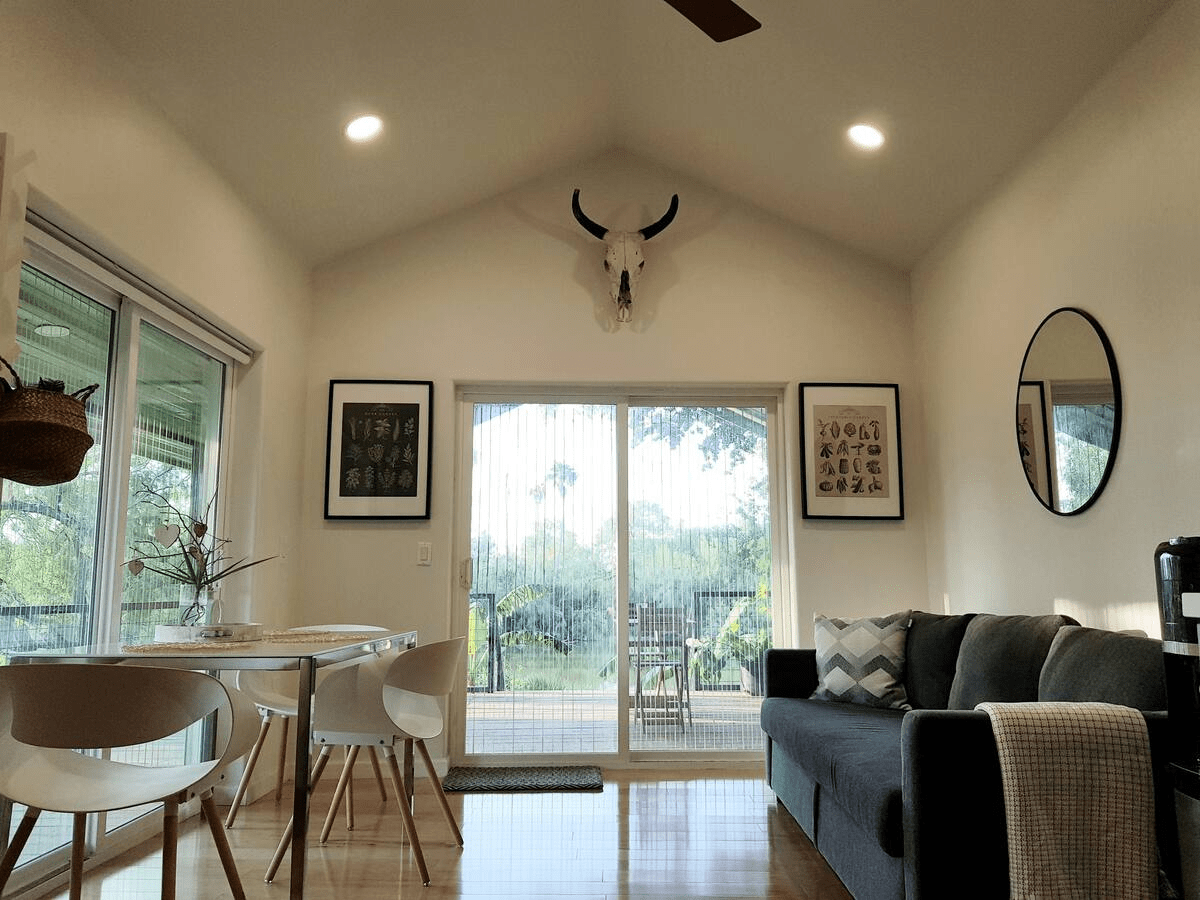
x,y
658,645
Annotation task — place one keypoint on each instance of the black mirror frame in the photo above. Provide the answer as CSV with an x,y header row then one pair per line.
x,y
1117,408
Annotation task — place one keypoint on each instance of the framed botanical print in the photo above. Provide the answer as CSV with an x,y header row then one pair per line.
x,y
377,461
850,450
1032,438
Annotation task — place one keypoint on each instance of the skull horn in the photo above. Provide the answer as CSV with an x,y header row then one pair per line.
x,y
591,227
668,217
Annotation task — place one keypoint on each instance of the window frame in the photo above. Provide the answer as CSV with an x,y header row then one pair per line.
x,y
78,266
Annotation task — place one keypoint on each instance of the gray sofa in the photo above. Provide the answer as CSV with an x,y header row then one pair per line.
x,y
909,804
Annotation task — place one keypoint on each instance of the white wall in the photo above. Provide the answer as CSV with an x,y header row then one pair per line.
x,y
1106,217
121,176
513,290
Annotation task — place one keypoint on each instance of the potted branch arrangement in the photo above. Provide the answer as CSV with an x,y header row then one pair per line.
x,y
744,638
186,551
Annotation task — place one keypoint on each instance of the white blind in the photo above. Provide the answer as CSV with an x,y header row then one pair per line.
x,y
46,242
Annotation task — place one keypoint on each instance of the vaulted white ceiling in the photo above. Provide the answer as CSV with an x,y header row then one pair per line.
x,y
479,96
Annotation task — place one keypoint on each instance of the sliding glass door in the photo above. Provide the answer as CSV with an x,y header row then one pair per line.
x,y
621,571
700,574
542,626
49,536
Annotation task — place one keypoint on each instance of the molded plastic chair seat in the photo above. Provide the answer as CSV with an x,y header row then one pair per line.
x,y
51,712
394,697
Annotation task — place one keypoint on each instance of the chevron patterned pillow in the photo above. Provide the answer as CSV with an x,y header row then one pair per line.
x,y
862,660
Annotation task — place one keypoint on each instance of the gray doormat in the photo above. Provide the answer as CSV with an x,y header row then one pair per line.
x,y
523,778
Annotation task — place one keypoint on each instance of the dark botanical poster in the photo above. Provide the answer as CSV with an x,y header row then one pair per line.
x,y
378,454
379,450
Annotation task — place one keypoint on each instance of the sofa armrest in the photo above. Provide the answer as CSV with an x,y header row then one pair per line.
x,y
953,806
1166,826
791,673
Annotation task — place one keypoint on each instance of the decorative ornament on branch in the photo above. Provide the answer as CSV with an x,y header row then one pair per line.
x,y
186,551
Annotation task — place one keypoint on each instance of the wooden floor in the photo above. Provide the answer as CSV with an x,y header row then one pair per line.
x,y
649,834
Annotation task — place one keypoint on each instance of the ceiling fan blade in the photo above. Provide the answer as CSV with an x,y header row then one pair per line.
x,y
719,19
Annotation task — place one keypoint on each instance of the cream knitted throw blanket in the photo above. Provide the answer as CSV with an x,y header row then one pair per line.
x,y
1079,800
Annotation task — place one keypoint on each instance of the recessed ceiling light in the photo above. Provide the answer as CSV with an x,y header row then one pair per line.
x,y
52,331
865,137
364,128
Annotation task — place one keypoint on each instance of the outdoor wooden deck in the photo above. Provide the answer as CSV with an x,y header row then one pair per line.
x,y
559,722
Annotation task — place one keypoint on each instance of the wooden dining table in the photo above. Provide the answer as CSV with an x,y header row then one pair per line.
x,y
277,649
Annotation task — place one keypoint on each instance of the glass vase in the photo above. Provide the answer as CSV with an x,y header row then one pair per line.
x,y
199,605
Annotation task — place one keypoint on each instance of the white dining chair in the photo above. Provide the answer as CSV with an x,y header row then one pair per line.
x,y
393,698
58,720
276,696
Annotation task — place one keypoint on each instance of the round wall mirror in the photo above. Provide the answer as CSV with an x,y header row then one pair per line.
x,y
1068,411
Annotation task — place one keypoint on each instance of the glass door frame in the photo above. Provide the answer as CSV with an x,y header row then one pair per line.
x,y
622,398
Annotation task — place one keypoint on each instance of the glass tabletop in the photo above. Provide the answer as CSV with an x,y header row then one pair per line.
x,y
275,649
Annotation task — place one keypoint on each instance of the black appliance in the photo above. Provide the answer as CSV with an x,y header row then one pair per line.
x,y
1177,570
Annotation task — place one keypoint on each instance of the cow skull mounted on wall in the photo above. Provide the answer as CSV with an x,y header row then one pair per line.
x,y
623,260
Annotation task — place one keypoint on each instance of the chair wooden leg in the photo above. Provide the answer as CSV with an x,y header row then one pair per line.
x,y
251,760
678,675
170,845
286,840
339,792
283,757
19,839
378,774
406,813
638,711
78,836
223,849
660,693
350,789
687,694
441,795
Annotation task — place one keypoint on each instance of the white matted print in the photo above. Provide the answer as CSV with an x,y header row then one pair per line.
x,y
378,450
850,443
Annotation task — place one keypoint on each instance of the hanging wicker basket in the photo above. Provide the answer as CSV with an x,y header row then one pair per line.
x,y
43,431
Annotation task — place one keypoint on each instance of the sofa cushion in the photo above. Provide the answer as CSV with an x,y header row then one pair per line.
x,y
852,752
931,656
1090,664
1000,658
862,660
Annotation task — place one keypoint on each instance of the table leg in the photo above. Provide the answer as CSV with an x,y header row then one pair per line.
x,y
307,686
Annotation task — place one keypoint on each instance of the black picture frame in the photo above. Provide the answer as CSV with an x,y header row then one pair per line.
x,y
1033,439
378,449
851,461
